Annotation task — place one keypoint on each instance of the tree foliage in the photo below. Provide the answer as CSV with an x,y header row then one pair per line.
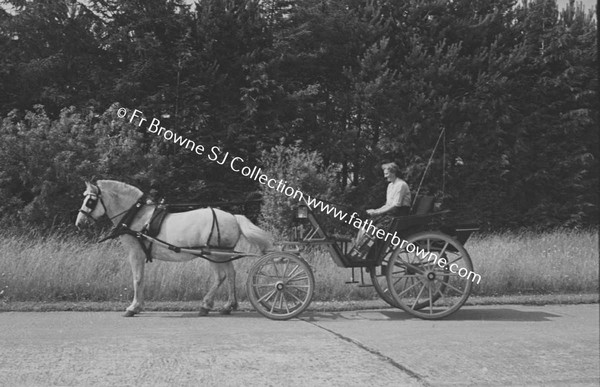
x,y
355,82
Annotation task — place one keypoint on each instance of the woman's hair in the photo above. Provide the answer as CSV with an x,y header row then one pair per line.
x,y
392,167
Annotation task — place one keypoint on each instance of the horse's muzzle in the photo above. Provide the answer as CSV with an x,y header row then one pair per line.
x,y
82,220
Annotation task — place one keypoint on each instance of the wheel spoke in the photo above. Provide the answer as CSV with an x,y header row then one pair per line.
x,y
294,296
293,271
286,303
416,268
267,276
430,300
277,294
450,286
281,297
418,295
298,286
446,274
263,274
406,276
296,274
407,289
275,268
412,280
263,285
287,262
267,296
297,279
400,278
441,294
443,249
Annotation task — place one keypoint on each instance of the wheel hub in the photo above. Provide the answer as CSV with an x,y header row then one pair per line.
x,y
430,276
279,286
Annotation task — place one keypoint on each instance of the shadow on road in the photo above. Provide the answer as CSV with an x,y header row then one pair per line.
x,y
216,314
471,314
500,314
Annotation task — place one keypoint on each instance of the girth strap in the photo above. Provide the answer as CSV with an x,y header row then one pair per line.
x,y
215,223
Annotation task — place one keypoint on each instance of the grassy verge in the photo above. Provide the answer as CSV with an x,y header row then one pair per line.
x,y
67,269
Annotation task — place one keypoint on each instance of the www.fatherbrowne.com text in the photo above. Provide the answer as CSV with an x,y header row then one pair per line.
x,y
238,165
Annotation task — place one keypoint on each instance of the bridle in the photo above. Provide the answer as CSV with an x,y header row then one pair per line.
x,y
93,195
91,201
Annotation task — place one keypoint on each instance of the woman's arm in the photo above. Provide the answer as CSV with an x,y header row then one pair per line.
x,y
395,197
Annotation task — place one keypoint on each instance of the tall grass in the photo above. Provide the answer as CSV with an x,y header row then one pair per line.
x,y
536,262
69,268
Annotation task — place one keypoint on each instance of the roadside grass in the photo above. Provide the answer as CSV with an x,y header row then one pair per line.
x,y
65,268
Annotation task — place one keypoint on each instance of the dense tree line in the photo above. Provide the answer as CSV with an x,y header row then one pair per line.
x,y
344,84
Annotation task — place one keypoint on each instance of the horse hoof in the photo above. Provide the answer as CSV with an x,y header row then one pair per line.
x,y
203,312
129,313
225,311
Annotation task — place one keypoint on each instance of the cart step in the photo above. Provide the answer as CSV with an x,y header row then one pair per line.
x,y
352,282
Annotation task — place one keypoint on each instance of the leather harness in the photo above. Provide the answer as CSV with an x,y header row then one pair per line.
x,y
152,228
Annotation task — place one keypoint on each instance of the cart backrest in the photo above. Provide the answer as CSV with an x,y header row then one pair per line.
x,y
423,205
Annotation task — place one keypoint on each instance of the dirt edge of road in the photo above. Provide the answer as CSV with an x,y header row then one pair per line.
x,y
322,306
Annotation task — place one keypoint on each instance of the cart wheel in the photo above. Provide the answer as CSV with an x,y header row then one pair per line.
x,y
379,279
280,285
417,282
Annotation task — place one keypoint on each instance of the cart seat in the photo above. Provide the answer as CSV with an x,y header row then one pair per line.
x,y
420,215
423,205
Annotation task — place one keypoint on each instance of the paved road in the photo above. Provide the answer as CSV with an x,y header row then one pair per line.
x,y
479,345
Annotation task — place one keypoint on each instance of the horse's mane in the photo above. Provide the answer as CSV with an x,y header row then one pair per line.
x,y
119,187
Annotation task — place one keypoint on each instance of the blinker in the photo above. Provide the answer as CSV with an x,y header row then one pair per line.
x,y
91,202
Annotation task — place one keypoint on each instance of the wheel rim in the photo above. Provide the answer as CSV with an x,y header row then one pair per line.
x,y
280,286
379,280
422,287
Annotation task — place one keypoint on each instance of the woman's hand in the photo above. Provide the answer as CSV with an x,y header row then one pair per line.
x,y
370,212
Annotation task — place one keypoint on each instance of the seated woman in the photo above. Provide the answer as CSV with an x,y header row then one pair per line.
x,y
397,198
397,203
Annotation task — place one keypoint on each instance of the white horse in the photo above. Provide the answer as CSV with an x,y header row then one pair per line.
x,y
185,229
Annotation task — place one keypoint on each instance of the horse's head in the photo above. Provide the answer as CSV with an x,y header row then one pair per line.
x,y
92,207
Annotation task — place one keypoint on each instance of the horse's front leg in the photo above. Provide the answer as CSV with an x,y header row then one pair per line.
x,y
137,260
231,300
209,299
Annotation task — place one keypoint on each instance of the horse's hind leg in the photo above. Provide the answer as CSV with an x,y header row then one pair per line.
x,y
231,300
209,299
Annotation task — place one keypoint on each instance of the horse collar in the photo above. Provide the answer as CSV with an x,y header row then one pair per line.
x,y
122,227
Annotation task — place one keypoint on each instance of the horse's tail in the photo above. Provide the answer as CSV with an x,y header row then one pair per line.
x,y
253,238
